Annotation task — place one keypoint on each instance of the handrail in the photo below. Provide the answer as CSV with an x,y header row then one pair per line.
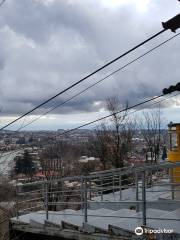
x,y
117,171
98,184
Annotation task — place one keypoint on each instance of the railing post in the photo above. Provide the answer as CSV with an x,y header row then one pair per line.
x,y
62,190
90,189
113,185
120,186
172,183
17,202
82,197
137,191
102,189
46,200
85,200
144,197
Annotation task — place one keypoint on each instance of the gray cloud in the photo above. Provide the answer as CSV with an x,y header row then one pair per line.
x,y
46,47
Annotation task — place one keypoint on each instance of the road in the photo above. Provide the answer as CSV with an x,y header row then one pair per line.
x,y
6,161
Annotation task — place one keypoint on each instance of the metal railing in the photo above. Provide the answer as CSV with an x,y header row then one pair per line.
x,y
120,188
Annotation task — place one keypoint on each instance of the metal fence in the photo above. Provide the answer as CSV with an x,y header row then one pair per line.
x,y
133,188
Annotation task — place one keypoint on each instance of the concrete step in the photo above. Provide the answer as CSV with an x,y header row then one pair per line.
x,y
131,223
25,219
36,224
57,217
40,217
100,212
120,232
50,224
73,222
168,224
96,224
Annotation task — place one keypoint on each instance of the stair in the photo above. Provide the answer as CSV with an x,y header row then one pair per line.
x,y
136,220
102,221
168,224
97,223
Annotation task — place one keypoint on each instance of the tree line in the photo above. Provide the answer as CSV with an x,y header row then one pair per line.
x,y
112,142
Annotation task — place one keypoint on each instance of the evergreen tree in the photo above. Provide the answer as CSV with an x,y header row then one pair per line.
x,y
25,164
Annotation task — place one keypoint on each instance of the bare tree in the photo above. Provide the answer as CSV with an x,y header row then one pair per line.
x,y
122,132
151,131
99,144
154,137
113,141
59,160
52,167
51,162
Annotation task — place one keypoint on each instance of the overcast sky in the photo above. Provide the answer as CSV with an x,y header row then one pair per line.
x,y
46,45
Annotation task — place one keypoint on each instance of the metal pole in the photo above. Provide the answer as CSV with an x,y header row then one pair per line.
x,y
144,197
17,202
101,189
113,185
90,189
120,187
82,205
172,184
62,189
137,191
46,200
85,201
